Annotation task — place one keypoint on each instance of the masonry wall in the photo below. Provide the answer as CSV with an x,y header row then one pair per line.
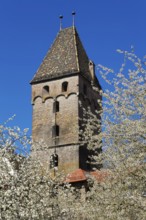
x,y
44,118
71,156
68,157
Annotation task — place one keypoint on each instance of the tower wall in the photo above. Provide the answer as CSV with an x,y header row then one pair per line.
x,y
67,118
64,78
68,157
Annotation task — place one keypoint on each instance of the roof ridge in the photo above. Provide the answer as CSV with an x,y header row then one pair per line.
x,y
76,49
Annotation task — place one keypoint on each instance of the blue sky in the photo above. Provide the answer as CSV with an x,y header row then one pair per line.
x,y
28,28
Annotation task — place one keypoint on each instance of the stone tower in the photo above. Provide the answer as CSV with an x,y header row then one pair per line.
x,y
64,78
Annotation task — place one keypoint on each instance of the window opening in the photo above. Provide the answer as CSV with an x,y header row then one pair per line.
x,y
64,86
46,89
53,160
56,106
55,131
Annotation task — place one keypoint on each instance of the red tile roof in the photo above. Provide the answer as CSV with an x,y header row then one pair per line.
x,y
80,175
76,176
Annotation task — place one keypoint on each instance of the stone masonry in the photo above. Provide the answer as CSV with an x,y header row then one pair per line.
x,y
63,79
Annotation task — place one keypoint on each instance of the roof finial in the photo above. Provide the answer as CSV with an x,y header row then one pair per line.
x,y
61,17
73,16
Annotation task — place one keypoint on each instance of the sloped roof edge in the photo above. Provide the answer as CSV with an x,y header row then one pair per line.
x,y
66,55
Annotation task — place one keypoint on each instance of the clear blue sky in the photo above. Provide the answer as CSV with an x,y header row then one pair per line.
x,y
28,28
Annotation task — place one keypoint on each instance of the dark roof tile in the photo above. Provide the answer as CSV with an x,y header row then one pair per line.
x,y
66,56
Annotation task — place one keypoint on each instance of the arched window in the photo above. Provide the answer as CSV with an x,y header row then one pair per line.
x,y
45,89
56,106
53,160
64,86
55,131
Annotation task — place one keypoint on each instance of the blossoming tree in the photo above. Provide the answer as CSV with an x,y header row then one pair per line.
x,y
27,191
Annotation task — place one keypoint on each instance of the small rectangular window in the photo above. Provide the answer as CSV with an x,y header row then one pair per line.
x,y
55,131
53,161
56,106
64,86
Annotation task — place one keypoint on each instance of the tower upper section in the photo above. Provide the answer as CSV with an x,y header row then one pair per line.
x,y
63,80
66,57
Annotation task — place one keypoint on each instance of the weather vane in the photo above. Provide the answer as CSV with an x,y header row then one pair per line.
x,y
73,16
61,17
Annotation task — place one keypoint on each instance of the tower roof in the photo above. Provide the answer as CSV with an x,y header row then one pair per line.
x,y
65,57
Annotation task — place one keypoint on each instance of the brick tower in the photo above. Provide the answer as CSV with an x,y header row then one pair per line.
x,y
64,78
